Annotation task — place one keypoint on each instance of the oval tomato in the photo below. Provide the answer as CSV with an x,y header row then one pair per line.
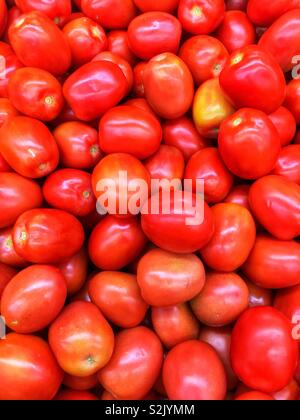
x,y
292,101
112,14
8,253
75,271
262,15
118,43
7,111
285,124
11,64
58,10
167,164
288,163
6,274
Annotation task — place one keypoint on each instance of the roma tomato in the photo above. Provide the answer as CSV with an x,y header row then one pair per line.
x,y
250,133
47,236
236,5
28,147
169,86
81,384
112,14
167,163
71,395
33,299
8,253
261,14
138,83
118,297
200,376
75,271
262,338
292,101
288,163
81,339
287,302
12,63
118,43
154,33
6,274
168,279
57,10
258,296
285,124
7,111
168,6
239,195
134,366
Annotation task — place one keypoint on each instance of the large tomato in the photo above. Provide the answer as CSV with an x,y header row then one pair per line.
x,y
112,14
261,14
58,10
288,163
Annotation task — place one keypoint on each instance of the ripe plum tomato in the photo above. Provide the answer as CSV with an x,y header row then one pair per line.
x,y
288,163
75,271
118,44
58,10
28,147
239,195
261,14
47,236
135,365
292,101
6,274
81,339
33,299
81,384
193,371
11,64
118,297
288,393
258,296
287,301
138,83
71,395
168,279
168,6
263,353
8,253
7,111
250,133
3,16
167,163
285,124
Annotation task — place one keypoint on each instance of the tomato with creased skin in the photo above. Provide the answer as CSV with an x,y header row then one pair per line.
x,y
8,253
261,14
47,236
6,274
28,369
134,366
7,110
154,33
285,124
33,299
81,384
249,132
193,371
292,101
258,296
118,44
12,63
239,195
81,339
289,393
287,301
29,147
254,396
167,279
119,298
95,88
58,10
263,353
72,395
288,163
168,6
167,163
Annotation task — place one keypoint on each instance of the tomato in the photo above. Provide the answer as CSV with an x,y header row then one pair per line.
x,y
7,111
6,274
200,376
134,366
112,14
78,145
127,129
236,5
208,166
4,166
141,103
81,384
168,6
205,56
254,396
118,297
3,16
138,83
289,393
168,279
75,271
71,395
236,31
115,243
11,63
239,195
46,236
118,44
263,353
288,163
262,15
201,17
95,88
81,339
33,299
285,124
292,101
51,50
287,302
253,79
17,194
282,39
258,296
169,86
166,164
28,147
222,300
211,107
250,133
28,369
58,10
86,39
154,33
8,253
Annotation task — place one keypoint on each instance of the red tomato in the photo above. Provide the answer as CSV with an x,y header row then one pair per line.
x,y
141,103
292,101
168,6
75,271
288,163
8,253
112,14
200,376
236,4
58,10
258,296
6,274
33,299
287,301
250,133
168,279
81,384
253,79
154,33
285,124
289,393
115,243
254,396
81,339
168,163
28,369
51,50
4,166
94,89
118,44
205,56
239,195
3,16
138,83
201,17
263,353
7,111
28,147
118,297
10,63
134,366
46,236
71,395
261,14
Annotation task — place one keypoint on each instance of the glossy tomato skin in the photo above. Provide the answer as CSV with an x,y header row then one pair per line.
x,y
112,14
81,339
167,279
262,15
138,83
169,86
7,110
11,64
239,195
134,366
263,88
95,88
58,10
168,6
75,271
47,236
127,129
118,43
288,393
3,16
154,33
292,101
28,147
288,163
201,376
258,296
262,337
118,297
51,50
81,384
33,299
250,133
6,274
71,395
285,124
167,163
28,369
8,253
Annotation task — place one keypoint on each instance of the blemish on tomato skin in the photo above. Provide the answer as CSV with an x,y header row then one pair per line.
x,y
237,59
237,122
94,150
49,100
196,11
23,236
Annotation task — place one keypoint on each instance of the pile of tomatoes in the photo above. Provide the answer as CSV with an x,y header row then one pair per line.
x,y
147,306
